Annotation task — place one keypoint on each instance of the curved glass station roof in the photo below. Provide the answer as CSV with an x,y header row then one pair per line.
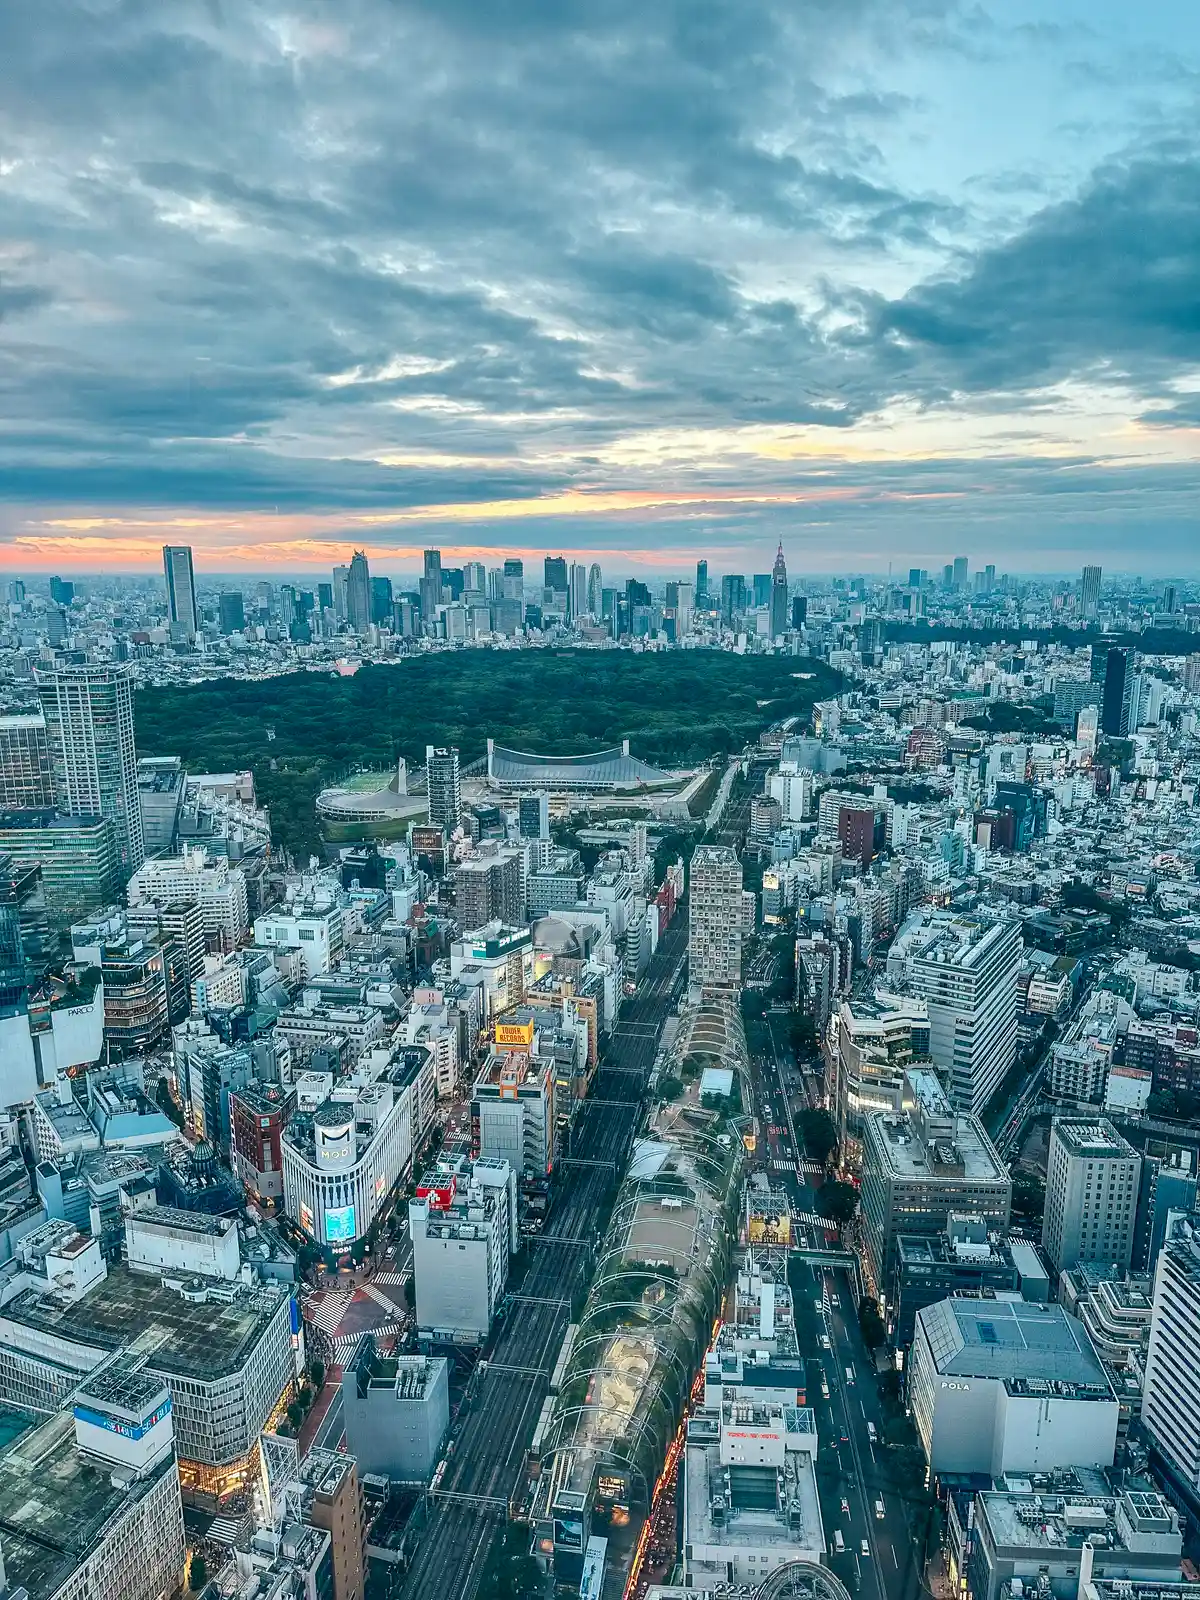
x,y
662,1270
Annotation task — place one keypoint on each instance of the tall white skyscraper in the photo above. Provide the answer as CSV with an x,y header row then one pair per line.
x,y
715,919
181,587
595,596
966,967
89,730
358,593
1171,1392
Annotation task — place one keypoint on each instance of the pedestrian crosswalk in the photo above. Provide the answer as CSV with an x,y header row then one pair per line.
x,y
400,1278
802,1169
809,1219
345,1345
329,1311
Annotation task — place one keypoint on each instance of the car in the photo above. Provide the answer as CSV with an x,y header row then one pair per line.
x,y
824,1388
864,1547
845,1439
825,1344
834,1301
849,1376
845,1507
879,1511
819,1306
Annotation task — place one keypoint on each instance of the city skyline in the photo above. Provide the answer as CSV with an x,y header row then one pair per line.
x,y
886,283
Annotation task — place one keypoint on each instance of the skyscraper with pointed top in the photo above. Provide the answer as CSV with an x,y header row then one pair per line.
x,y
779,595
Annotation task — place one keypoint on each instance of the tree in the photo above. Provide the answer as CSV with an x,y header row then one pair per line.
x,y
837,1201
1028,1194
197,1573
670,1087
871,1322
819,1132
316,1372
802,1036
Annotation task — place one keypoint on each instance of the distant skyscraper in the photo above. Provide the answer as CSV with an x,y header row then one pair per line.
x,y
433,565
1169,600
733,596
381,600
444,787
715,919
779,594
513,580
578,591
1116,707
181,587
16,592
799,611
556,574
595,590
762,588
341,587
358,593
1089,591
431,585
325,596
61,592
89,730
914,577
231,612
475,578
959,577
701,584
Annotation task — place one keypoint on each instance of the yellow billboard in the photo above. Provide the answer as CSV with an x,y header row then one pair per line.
x,y
514,1035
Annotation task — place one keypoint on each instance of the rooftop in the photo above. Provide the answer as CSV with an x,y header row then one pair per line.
x,y
1049,1521
614,768
55,1505
1094,1139
202,1338
1032,1348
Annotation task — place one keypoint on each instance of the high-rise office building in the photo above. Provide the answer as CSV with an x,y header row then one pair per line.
x,y
577,594
431,585
444,787
1171,1391
231,612
715,919
779,594
381,600
966,967
341,587
595,594
181,587
26,774
958,576
1117,705
89,729
62,592
1170,599
761,588
556,574
1089,591
733,596
701,583
475,578
1092,1178
914,577
358,593
325,596
799,611
513,580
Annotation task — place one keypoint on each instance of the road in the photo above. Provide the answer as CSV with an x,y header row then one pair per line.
x,y
487,1466
850,1464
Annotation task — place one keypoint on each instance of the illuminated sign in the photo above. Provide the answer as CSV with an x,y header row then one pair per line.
x,y
340,1225
964,1388
127,1430
306,1218
514,1035
568,1535
380,1186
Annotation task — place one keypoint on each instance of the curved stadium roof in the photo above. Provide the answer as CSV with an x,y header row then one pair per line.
x,y
600,769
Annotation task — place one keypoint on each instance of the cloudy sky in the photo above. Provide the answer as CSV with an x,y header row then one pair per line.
x,y
891,280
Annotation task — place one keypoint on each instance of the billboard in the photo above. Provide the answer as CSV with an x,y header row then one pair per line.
x,y
340,1225
514,1035
306,1217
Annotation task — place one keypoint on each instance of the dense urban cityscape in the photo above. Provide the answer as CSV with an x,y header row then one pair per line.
x,y
745,1144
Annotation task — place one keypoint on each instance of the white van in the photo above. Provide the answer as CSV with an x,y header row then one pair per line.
x,y
879,1509
871,1432
839,1544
